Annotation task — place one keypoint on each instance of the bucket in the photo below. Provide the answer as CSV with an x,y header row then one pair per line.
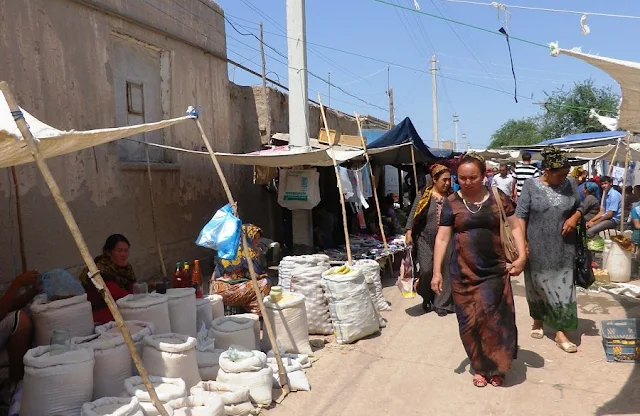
x,y
617,262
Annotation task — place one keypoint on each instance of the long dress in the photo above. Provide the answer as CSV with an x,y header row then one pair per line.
x,y
424,229
548,275
481,286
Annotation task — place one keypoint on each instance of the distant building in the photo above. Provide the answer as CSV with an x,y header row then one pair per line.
x,y
446,144
374,123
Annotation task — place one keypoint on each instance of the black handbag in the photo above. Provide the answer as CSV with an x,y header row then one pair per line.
x,y
583,273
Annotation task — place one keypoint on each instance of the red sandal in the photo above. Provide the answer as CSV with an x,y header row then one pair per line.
x,y
497,380
479,380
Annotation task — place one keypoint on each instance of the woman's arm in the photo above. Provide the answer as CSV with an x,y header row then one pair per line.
x,y
517,229
442,241
409,237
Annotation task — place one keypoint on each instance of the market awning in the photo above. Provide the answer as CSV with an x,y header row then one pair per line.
x,y
626,73
54,142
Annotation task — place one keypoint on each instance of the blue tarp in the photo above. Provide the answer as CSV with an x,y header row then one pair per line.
x,y
403,133
371,135
584,137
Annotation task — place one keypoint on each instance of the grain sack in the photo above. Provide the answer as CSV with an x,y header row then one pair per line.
x,y
73,314
113,406
171,355
182,311
56,384
152,308
240,361
307,282
234,330
204,404
208,364
260,383
166,388
137,329
256,325
235,398
204,312
113,364
217,305
289,322
287,358
371,271
352,312
297,377
288,263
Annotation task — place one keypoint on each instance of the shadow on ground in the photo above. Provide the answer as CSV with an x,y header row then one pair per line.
x,y
518,373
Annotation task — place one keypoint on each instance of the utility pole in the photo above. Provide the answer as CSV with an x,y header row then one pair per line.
x,y
464,140
434,89
265,92
391,115
329,101
298,80
455,131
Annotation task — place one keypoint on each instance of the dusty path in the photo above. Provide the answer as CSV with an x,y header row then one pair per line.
x,y
417,366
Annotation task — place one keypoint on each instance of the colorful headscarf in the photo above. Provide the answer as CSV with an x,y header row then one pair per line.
x,y
592,187
436,169
554,158
577,172
476,156
238,266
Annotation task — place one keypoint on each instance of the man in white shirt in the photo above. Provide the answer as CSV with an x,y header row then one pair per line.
x,y
504,181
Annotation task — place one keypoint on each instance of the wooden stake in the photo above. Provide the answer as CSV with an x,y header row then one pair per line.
x,y
154,221
335,169
624,181
415,172
16,188
284,380
373,181
80,242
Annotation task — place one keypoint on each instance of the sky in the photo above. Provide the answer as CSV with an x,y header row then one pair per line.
x,y
366,43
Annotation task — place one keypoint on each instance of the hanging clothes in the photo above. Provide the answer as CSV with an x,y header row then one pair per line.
x,y
345,181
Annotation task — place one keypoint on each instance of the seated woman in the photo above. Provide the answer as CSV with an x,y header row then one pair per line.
x,y
590,204
231,278
116,272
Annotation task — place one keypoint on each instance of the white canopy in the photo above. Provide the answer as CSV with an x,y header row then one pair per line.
x,y
626,73
54,142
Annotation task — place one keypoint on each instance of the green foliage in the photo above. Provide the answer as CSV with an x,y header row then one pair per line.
x,y
564,112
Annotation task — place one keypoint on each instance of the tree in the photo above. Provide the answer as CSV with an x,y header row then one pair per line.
x,y
565,112
517,132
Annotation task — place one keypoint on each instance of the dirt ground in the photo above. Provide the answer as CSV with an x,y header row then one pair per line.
x,y
417,366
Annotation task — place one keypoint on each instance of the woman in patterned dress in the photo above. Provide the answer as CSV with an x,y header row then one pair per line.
x,y
549,209
422,228
480,278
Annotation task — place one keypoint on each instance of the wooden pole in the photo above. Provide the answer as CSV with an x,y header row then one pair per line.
x,y
16,188
415,173
335,169
284,380
154,220
265,92
94,273
624,181
373,181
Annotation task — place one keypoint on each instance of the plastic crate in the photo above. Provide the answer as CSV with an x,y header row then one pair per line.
x,y
621,340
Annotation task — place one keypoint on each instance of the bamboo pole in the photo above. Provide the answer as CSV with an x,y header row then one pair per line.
x,y
624,181
284,380
94,273
154,220
335,169
415,173
16,187
373,181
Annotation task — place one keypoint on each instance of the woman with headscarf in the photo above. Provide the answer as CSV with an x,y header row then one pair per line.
x,y
549,210
480,277
422,228
231,278
590,204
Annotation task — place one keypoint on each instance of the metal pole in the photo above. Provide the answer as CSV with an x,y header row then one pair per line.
x,y
455,129
391,115
329,101
434,90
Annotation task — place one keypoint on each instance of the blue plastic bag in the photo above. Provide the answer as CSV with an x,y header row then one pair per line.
x,y
222,233
58,283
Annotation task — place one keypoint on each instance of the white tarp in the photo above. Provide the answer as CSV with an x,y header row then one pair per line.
x,y
54,142
626,73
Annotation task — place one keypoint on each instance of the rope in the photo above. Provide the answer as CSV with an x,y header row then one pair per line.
x,y
17,115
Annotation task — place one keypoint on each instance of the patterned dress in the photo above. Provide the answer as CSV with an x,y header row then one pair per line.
x,y
548,275
481,286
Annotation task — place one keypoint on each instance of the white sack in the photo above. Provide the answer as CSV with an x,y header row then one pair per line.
x,y
204,312
204,404
171,355
297,377
234,330
260,383
371,271
152,308
235,398
352,312
56,385
208,364
182,311
113,406
137,329
255,361
73,314
256,326
302,359
113,364
289,321
166,388
217,305
299,188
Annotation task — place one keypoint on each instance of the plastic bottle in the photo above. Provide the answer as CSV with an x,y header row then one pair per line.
x,y
196,279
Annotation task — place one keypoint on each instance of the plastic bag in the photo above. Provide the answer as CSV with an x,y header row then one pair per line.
x,y
205,339
59,284
299,188
239,353
405,278
222,233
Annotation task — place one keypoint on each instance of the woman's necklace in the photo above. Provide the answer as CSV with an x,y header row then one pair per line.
x,y
477,204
